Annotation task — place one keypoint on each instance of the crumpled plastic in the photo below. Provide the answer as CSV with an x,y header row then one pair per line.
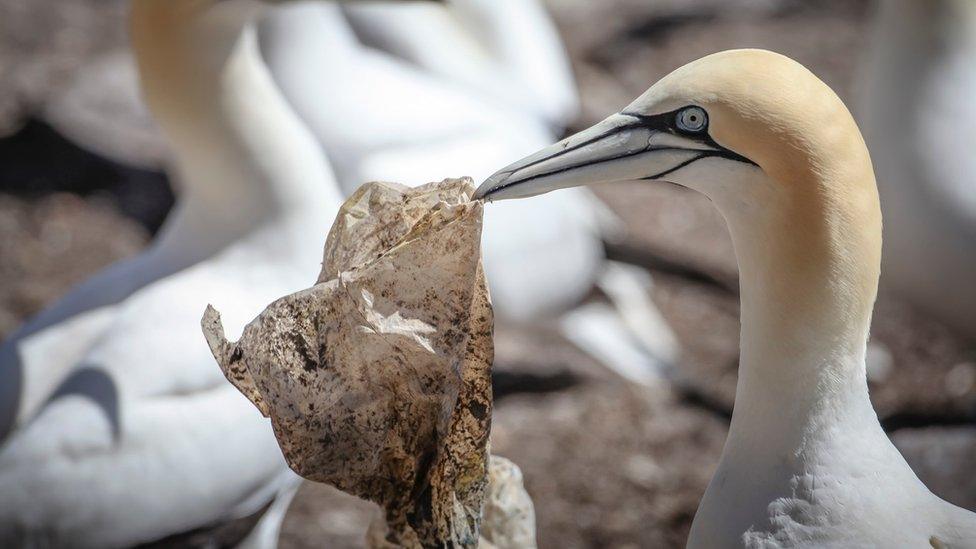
x,y
377,379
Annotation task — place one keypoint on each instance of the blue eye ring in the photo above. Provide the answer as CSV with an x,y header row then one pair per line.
x,y
691,119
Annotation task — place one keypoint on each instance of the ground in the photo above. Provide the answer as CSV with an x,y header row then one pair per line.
x,y
607,463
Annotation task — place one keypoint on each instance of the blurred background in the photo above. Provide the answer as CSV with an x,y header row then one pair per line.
x,y
609,463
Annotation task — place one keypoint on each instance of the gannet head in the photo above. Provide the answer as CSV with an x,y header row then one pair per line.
x,y
771,145
750,115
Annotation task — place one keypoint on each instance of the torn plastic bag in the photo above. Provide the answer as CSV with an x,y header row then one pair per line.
x,y
377,378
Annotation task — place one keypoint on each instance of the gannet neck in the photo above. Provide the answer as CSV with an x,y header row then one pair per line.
x,y
807,288
243,158
808,249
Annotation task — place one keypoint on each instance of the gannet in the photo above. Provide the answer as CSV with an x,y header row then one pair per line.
x,y
806,463
115,426
915,105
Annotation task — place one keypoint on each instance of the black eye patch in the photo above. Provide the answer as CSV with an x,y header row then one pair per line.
x,y
668,122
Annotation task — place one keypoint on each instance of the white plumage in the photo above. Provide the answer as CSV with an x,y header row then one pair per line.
x,y
435,107
123,430
916,103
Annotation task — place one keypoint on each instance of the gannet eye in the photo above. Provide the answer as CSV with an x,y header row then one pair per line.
x,y
692,119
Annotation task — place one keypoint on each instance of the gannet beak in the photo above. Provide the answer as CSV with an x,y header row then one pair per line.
x,y
624,147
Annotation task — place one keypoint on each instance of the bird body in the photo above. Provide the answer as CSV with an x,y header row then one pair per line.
x,y
119,428
506,51
425,110
916,107
806,463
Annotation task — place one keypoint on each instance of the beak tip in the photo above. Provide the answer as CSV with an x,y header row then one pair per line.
x,y
479,194
493,183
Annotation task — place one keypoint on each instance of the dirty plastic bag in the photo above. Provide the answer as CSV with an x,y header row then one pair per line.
x,y
377,378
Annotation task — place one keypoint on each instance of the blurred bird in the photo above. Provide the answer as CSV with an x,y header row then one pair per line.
x,y
394,120
806,463
116,427
916,92
505,51
417,92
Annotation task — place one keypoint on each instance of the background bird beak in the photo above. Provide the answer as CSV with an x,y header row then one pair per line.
x,y
621,148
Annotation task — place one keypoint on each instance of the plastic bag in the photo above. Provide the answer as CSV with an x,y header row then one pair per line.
x,y
377,378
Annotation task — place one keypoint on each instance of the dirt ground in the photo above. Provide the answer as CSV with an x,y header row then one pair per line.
x,y
608,464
